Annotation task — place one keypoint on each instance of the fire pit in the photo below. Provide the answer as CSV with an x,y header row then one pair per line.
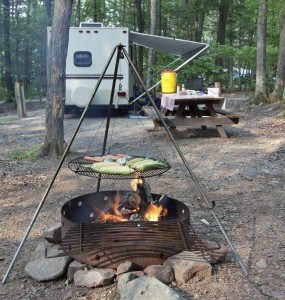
x,y
108,244
106,228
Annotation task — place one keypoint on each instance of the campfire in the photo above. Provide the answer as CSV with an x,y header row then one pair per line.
x,y
139,206
106,228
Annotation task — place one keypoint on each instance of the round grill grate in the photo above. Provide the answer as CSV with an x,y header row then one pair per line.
x,y
76,166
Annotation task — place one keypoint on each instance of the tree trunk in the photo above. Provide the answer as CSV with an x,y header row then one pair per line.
x,y
54,140
48,12
260,94
153,30
17,39
280,75
222,21
7,51
222,24
200,26
78,10
140,26
27,55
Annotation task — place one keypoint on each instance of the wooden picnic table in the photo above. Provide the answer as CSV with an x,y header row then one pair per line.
x,y
195,110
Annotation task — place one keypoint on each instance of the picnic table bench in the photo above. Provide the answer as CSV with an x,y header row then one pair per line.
x,y
195,110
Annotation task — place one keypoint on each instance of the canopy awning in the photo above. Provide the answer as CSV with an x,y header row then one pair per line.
x,y
181,48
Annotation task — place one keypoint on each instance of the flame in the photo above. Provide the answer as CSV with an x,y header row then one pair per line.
x,y
116,204
112,218
134,183
115,215
155,212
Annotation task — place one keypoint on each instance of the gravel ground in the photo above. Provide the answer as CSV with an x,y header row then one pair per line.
x,y
243,174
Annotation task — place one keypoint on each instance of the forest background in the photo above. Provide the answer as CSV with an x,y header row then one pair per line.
x,y
230,27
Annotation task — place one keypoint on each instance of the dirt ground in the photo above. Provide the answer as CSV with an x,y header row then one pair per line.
x,y
243,174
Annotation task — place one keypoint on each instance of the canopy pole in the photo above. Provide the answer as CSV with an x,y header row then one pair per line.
x,y
178,68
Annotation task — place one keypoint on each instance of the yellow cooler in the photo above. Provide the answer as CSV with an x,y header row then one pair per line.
x,y
168,81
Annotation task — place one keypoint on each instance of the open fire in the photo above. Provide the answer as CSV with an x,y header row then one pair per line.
x,y
106,228
139,206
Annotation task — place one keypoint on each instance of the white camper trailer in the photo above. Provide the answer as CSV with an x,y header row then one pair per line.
x,y
89,49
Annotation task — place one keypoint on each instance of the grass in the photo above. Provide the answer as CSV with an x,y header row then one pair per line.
x,y
8,119
25,154
32,153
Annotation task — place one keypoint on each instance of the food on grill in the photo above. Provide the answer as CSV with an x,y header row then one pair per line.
x,y
124,159
108,159
98,165
131,162
148,164
130,166
113,157
108,167
104,164
124,170
94,158
103,158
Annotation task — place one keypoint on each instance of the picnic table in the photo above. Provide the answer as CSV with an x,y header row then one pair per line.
x,y
195,110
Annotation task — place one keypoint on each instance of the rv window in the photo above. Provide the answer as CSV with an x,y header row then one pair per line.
x,y
82,59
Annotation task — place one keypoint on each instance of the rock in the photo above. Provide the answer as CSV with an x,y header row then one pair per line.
x,y
53,233
147,287
187,264
68,294
214,256
94,278
123,280
261,263
74,267
127,267
138,273
163,273
280,295
42,268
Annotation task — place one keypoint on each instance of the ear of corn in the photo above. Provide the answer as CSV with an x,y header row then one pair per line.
x,y
117,170
149,165
99,165
136,164
131,162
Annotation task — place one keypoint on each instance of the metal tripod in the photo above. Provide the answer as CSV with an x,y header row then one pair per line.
x,y
121,53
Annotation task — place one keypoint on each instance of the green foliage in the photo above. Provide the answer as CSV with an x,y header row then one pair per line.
x,y
3,93
193,20
25,154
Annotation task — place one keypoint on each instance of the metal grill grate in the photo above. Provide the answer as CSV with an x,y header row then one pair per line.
x,y
105,245
76,166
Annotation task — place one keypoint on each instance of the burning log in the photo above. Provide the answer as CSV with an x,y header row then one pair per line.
x,y
139,206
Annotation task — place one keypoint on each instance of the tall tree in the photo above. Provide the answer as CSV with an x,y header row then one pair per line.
x,y
27,50
221,27
7,50
48,18
153,30
276,95
78,12
140,28
54,144
260,94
